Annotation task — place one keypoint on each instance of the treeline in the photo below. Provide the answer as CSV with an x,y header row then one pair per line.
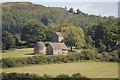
x,y
27,76
104,35
72,57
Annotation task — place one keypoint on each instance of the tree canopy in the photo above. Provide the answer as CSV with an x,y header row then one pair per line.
x,y
33,31
78,11
74,36
8,40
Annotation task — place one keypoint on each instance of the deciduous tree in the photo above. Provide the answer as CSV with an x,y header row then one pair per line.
x,y
74,36
33,31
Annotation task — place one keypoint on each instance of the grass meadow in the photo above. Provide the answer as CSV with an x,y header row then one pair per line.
x,y
88,69
25,52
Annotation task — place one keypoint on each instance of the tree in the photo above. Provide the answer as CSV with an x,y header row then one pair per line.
x,y
89,40
16,40
102,47
107,32
8,40
78,11
50,30
71,10
33,31
74,36
66,8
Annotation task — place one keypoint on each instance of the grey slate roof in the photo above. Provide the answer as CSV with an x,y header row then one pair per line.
x,y
59,34
58,46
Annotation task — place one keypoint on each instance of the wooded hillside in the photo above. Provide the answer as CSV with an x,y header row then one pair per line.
x,y
16,14
99,32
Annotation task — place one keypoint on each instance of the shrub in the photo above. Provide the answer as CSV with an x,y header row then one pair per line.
x,y
47,76
62,76
78,76
89,54
43,59
20,47
27,76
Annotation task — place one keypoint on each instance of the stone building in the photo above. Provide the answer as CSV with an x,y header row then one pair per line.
x,y
56,48
57,37
40,48
117,47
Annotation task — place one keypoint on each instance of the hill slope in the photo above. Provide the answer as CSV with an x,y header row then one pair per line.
x,y
16,14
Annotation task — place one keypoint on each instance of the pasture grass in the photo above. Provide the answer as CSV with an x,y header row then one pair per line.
x,y
88,69
25,52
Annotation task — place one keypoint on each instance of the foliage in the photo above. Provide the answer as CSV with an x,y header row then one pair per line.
x,y
15,14
89,40
19,75
24,76
63,76
50,30
102,47
17,41
90,54
43,59
71,10
103,35
74,36
110,57
33,31
8,40
78,76
107,33
78,11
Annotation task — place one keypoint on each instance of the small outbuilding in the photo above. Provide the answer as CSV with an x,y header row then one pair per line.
x,y
56,48
57,37
117,47
40,48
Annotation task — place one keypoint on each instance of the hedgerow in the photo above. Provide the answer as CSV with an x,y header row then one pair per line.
x,y
49,59
27,76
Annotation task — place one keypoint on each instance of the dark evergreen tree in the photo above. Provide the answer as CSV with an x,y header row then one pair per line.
x,y
71,10
7,40
78,11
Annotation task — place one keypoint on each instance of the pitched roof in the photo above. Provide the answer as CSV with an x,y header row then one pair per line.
x,y
59,34
58,46
117,43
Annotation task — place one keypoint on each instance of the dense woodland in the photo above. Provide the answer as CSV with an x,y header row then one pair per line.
x,y
24,23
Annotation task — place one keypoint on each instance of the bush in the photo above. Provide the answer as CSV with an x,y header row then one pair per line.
x,y
110,57
27,76
20,47
63,76
89,54
78,76
19,75
43,59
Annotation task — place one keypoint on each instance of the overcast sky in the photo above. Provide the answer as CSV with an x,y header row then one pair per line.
x,y
96,7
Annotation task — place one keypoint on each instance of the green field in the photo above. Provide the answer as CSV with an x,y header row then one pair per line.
x,y
26,52
88,69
